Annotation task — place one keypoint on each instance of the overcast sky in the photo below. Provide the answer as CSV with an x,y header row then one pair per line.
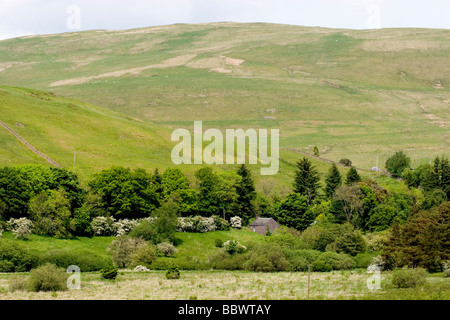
x,y
26,17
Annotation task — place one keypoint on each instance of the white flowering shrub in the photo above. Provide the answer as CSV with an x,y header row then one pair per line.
x,y
196,224
141,269
103,226
236,222
124,226
167,249
21,227
1,231
233,246
446,268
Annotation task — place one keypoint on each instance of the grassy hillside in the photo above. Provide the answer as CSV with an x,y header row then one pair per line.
x,y
58,127
102,138
352,93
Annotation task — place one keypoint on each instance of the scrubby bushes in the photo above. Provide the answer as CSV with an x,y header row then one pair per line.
x,y
266,258
196,224
109,273
86,260
144,255
351,243
233,246
300,259
14,257
48,278
329,261
408,277
446,268
173,272
122,250
166,249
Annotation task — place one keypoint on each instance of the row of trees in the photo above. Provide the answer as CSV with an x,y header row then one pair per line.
x,y
54,199
56,203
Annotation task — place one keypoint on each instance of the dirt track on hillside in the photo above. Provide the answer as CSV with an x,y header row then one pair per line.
x,y
29,146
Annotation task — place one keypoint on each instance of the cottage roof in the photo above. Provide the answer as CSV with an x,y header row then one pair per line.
x,y
261,222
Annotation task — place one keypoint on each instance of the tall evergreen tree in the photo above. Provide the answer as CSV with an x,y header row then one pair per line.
x,y
158,182
207,192
306,180
352,176
441,174
246,194
332,181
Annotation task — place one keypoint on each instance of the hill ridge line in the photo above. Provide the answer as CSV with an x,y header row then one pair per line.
x,y
30,146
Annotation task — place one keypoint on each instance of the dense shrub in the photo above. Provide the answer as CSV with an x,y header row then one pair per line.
x,y
221,224
286,240
408,277
145,230
299,264
346,162
397,163
236,222
82,222
300,259
328,261
103,226
196,224
328,233
167,249
350,243
48,278
233,246
123,248
446,268
363,260
381,217
218,243
14,257
224,261
124,226
144,255
51,214
266,258
18,283
375,241
173,272
109,273
86,260
21,227
311,235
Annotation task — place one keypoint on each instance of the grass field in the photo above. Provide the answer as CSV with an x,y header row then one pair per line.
x,y
236,285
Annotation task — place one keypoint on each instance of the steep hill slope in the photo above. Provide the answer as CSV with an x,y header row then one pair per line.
x,y
59,127
354,94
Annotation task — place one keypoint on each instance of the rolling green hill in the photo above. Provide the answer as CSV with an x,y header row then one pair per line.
x,y
58,127
355,94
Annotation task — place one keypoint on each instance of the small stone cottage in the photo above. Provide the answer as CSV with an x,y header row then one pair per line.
x,y
260,225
